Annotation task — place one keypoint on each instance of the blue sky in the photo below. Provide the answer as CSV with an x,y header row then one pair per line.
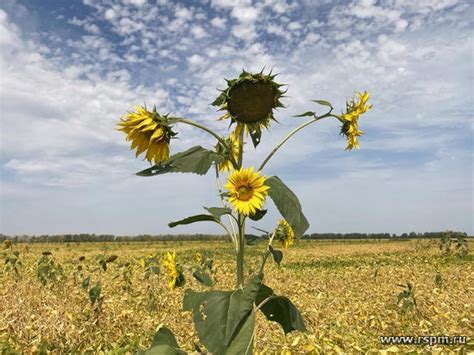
x,y
70,69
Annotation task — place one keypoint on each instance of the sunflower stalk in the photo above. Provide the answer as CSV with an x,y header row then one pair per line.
x,y
291,134
241,222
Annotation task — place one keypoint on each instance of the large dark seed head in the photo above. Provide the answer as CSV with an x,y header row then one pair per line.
x,y
251,102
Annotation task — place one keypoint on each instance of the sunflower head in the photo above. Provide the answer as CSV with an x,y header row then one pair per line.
x,y
233,142
350,119
176,277
149,132
247,190
7,243
250,100
285,234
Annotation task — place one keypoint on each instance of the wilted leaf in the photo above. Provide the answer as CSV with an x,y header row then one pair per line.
x,y
277,255
280,309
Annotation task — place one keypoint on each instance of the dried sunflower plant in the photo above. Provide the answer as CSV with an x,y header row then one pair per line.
x,y
225,319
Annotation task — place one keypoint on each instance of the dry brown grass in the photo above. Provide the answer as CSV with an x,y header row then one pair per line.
x,y
346,291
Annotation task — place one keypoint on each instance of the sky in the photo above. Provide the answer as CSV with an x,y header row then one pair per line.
x,y
70,69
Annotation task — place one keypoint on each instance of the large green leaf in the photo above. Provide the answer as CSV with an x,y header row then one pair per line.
x,y
195,160
280,309
241,303
193,219
163,350
224,320
209,316
242,344
288,205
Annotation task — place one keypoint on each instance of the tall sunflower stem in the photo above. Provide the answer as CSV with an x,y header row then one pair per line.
x,y
291,134
240,252
241,222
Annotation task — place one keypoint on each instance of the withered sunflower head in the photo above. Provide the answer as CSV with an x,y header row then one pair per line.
x,y
250,100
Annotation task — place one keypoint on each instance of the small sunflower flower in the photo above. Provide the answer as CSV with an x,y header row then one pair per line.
x,y
350,119
233,142
176,277
148,133
247,190
199,258
285,233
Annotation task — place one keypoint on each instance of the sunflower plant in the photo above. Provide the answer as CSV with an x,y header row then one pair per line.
x,y
225,319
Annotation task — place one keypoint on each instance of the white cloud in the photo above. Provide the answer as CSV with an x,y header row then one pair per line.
x,y
218,22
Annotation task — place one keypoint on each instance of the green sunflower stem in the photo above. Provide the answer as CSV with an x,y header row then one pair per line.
x,y
240,252
291,134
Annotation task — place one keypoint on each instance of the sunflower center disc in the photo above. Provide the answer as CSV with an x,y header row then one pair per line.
x,y
251,102
245,193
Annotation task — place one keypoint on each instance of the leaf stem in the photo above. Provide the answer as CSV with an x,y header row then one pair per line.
x,y
289,135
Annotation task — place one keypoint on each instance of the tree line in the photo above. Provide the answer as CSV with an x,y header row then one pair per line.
x,y
86,237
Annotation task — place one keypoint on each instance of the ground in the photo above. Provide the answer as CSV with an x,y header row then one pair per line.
x,y
346,290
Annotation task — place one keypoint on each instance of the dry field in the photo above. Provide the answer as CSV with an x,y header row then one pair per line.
x,y
346,291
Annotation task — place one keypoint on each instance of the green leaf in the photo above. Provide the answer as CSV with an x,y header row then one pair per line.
x,y
203,277
240,305
164,336
243,341
307,113
252,239
218,212
85,283
323,102
195,160
209,316
224,320
193,219
277,255
163,350
258,215
288,205
94,293
280,309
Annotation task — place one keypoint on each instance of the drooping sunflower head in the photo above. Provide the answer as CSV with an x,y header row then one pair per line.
x,y
149,132
285,233
247,190
350,119
176,277
233,143
250,100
